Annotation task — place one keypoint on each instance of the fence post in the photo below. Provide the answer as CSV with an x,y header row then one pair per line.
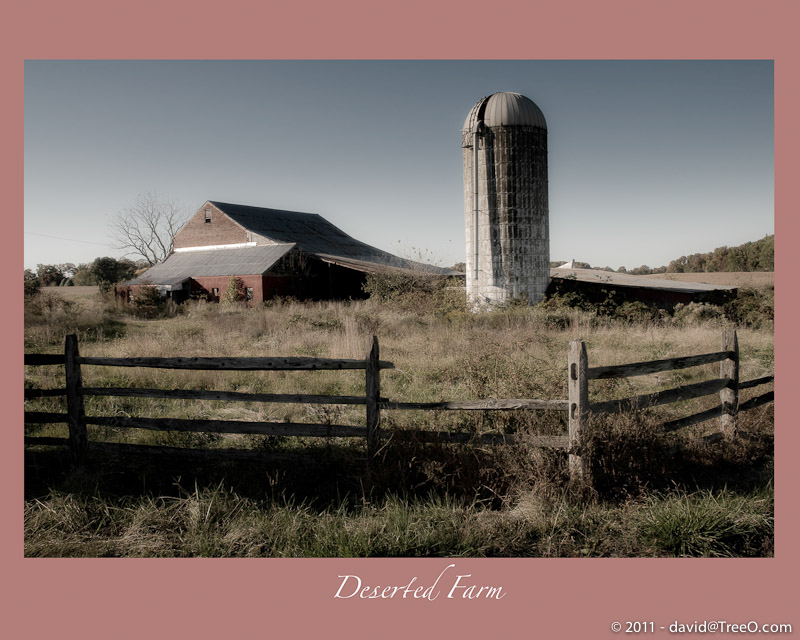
x,y
578,363
76,414
373,393
729,368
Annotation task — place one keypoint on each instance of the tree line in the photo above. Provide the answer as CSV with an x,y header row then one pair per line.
x,y
750,256
145,230
103,272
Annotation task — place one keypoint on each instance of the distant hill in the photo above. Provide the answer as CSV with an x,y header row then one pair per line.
x,y
747,257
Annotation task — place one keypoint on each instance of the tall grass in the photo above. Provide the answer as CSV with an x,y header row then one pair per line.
x,y
418,499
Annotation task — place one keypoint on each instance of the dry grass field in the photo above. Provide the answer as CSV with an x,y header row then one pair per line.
x,y
74,293
652,494
754,279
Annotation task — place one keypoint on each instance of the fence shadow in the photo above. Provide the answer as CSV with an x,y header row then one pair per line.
x,y
629,458
400,461
630,455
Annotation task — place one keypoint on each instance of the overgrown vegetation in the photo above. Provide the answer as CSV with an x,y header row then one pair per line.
x,y
653,494
425,292
752,307
148,302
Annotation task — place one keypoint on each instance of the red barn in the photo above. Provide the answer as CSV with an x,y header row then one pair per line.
x,y
273,252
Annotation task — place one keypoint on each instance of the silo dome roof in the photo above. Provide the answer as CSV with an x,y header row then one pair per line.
x,y
505,109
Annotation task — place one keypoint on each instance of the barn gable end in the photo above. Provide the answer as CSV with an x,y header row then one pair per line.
x,y
210,227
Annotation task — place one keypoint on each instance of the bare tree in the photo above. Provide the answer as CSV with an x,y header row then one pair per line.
x,y
147,228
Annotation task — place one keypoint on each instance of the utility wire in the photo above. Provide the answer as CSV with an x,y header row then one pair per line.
x,y
41,235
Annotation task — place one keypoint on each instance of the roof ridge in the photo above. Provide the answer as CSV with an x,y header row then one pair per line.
x,y
217,204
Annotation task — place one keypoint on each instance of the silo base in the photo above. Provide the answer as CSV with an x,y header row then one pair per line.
x,y
488,297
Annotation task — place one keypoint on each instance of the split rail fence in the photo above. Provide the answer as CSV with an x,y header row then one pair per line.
x,y
578,406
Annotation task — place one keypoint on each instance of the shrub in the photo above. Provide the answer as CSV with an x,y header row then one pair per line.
x,y
148,302
416,290
606,303
32,283
696,313
235,292
48,305
753,308
636,311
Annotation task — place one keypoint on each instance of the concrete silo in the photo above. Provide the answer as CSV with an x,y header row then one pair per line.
x,y
504,141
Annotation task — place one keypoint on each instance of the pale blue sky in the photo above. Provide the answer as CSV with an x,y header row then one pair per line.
x,y
648,160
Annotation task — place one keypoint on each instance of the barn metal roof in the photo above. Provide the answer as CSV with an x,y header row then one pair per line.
x,y
614,279
505,109
314,235
179,267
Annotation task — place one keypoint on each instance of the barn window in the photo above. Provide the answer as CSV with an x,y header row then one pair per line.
x,y
208,216
248,293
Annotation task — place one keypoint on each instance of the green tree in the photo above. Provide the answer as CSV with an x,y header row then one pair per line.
x,y
83,275
718,260
32,283
108,271
643,270
49,275
765,259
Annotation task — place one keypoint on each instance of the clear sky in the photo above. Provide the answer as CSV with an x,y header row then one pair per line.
x,y
648,160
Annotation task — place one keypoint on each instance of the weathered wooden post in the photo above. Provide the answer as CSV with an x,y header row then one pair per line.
x,y
578,363
76,414
373,393
729,368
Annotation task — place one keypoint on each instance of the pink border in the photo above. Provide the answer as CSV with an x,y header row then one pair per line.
x,y
293,598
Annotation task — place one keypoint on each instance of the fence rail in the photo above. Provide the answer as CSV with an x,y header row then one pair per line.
x,y
727,386
228,396
655,366
578,406
44,358
490,404
684,392
236,364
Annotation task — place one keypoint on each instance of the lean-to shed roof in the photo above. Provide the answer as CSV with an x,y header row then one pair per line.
x,y
595,276
179,267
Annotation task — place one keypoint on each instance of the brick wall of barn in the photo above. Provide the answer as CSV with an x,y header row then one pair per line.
x,y
219,230
264,287
203,286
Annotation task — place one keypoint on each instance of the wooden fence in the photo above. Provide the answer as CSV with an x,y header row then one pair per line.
x,y
727,385
577,406
75,392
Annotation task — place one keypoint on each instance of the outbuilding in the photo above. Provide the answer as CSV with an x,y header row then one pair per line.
x,y
596,285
